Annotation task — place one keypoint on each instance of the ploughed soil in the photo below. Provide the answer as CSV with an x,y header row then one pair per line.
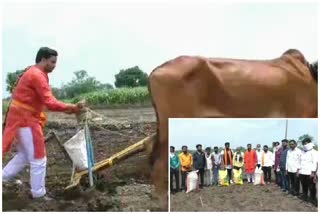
x,y
239,198
126,186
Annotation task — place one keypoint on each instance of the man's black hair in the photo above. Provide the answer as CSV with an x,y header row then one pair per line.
x,y
265,146
306,140
184,147
45,52
198,145
285,140
293,141
208,148
215,147
172,147
227,143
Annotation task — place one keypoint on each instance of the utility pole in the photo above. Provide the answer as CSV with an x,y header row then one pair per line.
x,y
285,137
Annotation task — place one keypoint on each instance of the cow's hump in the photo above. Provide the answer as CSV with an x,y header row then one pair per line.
x,y
296,54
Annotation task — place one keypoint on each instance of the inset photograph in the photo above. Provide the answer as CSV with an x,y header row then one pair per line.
x,y
239,165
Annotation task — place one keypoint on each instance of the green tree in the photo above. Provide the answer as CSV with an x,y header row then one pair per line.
x,y
82,83
12,78
58,93
81,75
131,77
221,148
302,137
242,149
106,86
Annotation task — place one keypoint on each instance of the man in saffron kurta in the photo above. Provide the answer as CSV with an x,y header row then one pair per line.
x,y
24,121
250,161
227,157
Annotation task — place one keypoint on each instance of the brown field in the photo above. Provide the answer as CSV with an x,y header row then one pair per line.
x,y
123,187
239,198
127,185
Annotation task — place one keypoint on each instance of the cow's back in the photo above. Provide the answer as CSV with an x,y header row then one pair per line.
x,y
209,87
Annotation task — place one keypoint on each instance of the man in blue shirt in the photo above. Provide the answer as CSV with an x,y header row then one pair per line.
x,y
174,169
283,161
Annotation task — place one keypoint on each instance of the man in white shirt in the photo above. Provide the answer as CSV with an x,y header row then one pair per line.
x,y
309,161
259,155
208,174
266,163
216,165
293,167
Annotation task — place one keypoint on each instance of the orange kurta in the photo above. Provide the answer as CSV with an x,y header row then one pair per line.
x,y
30,97
250,161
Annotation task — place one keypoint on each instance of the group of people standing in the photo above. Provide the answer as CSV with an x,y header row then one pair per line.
x,y
291,166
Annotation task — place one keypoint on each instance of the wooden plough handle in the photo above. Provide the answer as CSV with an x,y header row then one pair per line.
x,y
122,155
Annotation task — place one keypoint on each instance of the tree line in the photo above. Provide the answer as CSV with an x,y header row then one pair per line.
x,y
83,83
243,149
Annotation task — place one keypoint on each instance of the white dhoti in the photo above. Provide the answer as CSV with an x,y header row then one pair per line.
x,y
24,157
208,177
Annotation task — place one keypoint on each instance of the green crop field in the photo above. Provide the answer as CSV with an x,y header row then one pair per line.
x,y
138,96
120,96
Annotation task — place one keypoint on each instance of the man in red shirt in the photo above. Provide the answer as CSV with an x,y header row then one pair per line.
x,y
250,161
25,121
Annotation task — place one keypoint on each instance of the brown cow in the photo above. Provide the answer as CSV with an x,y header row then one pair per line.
x,y
284,87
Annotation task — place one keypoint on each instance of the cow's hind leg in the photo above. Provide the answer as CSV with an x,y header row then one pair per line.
x,y
160,168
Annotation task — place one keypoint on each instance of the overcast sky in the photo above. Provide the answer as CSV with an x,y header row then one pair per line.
x,y
239,132
103,38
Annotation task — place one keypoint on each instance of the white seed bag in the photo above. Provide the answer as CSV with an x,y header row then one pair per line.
x,y
76,148
192,181
258,176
